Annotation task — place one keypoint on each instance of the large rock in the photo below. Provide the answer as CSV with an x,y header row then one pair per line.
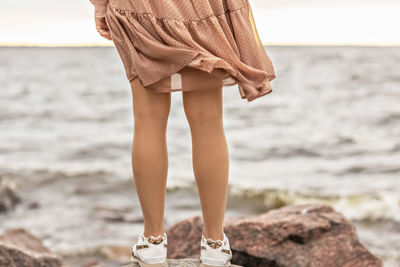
x,y
300,235
19,248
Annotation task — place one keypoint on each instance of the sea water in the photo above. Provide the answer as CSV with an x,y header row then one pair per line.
x,y
328,133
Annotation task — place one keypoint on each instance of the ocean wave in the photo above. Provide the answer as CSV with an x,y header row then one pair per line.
x,y
368,169
369,207
374,206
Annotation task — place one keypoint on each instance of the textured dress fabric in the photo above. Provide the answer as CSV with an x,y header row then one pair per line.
x,y
180,45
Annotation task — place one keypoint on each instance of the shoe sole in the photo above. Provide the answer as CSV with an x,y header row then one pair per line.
x,y
143,264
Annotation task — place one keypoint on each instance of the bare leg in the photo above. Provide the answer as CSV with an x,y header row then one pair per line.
x,y
203,109
149,154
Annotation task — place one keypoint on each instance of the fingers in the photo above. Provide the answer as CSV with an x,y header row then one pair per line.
x,y
105,33
102,28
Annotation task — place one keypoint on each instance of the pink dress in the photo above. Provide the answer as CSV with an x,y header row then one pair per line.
x,y
183,45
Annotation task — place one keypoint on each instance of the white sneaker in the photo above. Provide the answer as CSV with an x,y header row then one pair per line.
x,y
150,251
215,252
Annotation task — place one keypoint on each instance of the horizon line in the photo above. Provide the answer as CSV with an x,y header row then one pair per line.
x,y
21,44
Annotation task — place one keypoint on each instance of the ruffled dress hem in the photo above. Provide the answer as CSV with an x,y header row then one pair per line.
x,y
154,46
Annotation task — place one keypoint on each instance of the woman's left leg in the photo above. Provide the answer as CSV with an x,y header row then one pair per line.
x,y
204,112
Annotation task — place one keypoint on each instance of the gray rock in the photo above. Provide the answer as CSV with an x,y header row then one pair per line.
x,y
8,198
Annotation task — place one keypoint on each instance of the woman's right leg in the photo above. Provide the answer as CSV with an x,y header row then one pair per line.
x,y
149,153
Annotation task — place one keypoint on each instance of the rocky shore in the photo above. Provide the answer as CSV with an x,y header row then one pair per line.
x,y
294,235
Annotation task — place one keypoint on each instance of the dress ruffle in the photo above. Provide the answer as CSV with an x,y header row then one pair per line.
x,y
155,39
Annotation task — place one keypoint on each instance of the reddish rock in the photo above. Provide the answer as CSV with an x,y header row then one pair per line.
x,y
19,248
299,235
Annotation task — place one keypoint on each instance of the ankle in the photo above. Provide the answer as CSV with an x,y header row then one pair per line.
x,y
214,235
155,233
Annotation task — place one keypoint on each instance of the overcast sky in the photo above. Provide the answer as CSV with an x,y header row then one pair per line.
x,y
278,21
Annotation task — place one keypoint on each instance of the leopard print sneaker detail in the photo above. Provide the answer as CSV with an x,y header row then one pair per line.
x,y
215,252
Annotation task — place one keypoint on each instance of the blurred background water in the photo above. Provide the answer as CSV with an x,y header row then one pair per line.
x,y
329,132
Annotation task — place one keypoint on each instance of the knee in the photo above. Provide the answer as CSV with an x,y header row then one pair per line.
x,y
203,115
150,115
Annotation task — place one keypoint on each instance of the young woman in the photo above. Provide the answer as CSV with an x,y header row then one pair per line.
x,y
197,47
